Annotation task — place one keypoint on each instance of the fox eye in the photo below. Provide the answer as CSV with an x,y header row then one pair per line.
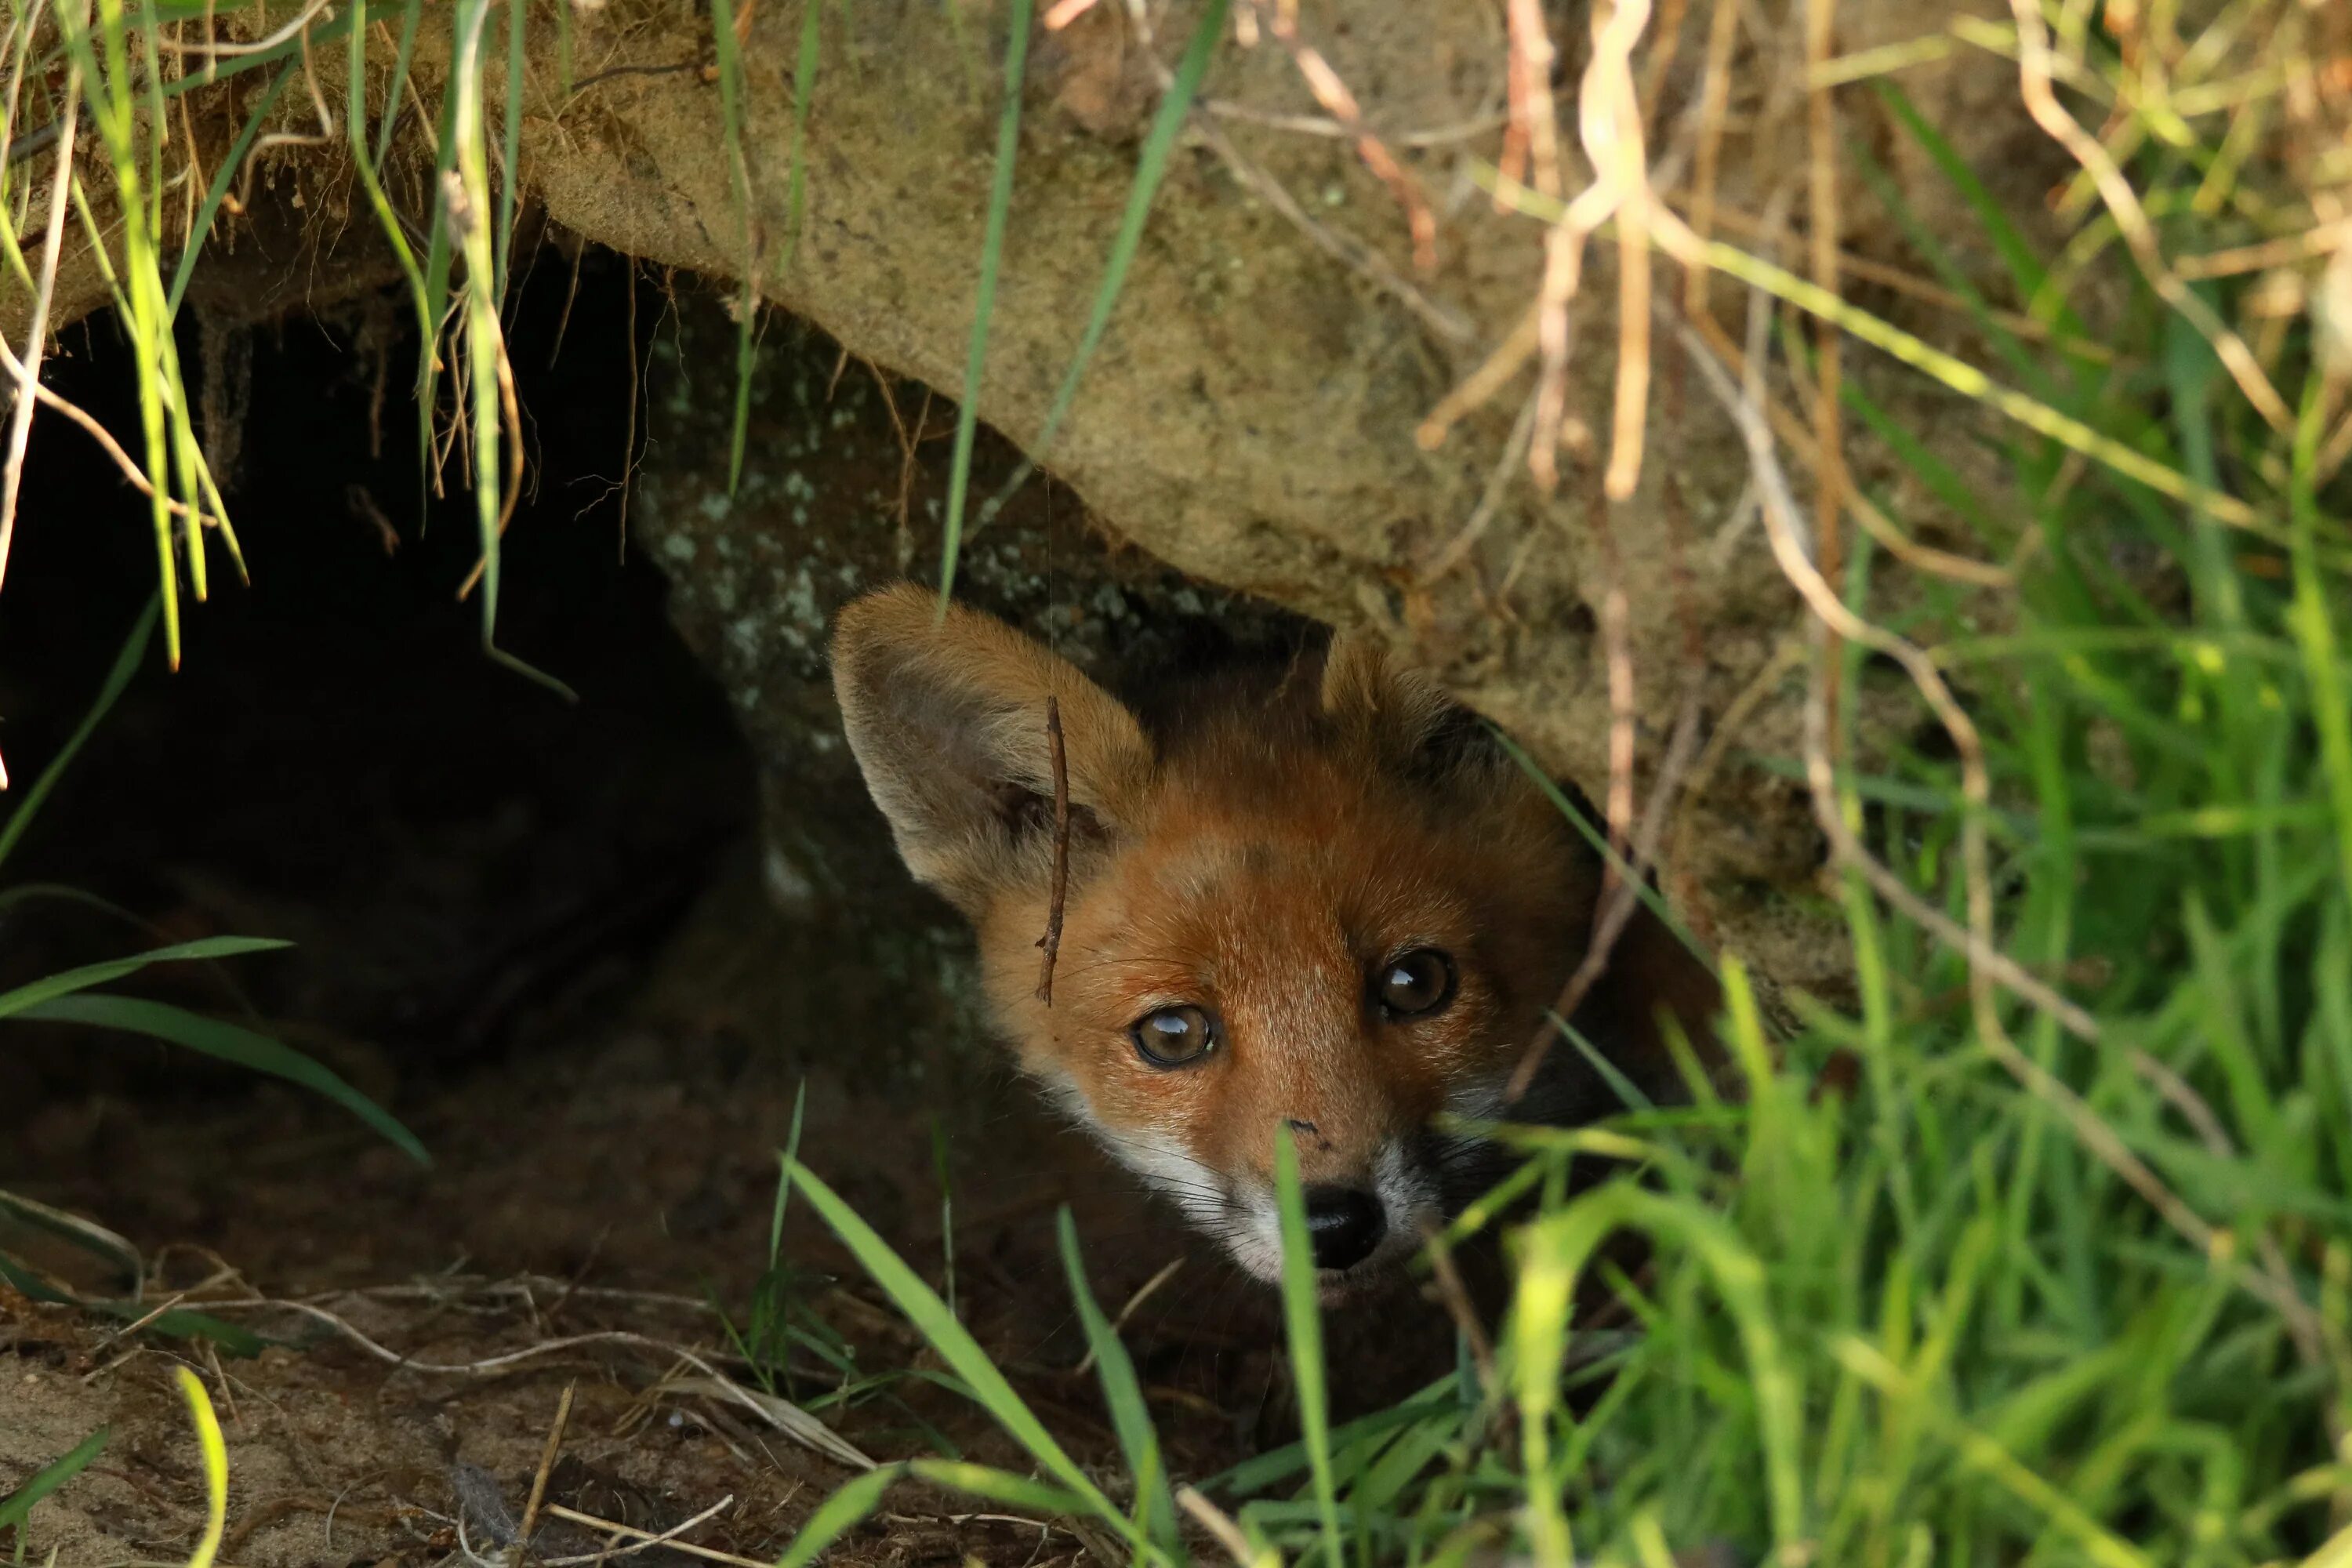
x,y
1175,1037
1419,984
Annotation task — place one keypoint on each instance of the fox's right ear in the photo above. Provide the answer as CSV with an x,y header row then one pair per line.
x,y
947,718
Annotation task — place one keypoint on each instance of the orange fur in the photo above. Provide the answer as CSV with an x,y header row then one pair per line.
x,y
1267,855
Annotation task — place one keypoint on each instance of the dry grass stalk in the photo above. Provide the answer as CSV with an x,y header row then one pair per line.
x,y
1490,500
641,1540
1445,322
212,48
2033,75
1324,126
1531,142
538,1478
1609,121
1623,898
781,1415
2325,240
132,474
1829,480
1143,1293
27,369
1219,1524
1455,1295
1481,384
667,1539
1340,104
1051,943
1715,101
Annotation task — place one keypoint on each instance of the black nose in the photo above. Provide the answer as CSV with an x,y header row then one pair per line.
x,y
1343,1226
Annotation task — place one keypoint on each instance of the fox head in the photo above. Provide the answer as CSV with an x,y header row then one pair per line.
x,y
1322,901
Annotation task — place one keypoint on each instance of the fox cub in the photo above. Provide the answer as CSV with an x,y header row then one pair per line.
x,y
1316,896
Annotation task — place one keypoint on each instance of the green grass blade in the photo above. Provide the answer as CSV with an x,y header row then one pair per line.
x,y
783,1176
371,177
118,679
2025,269
840,1513
1123,1393
805,66
739,181
65,981
108,91
218,192
947,1215
510,141
1000,1486
18,1505
1539,1314
228,1043
412,13
1175,105
480,300
991,257
562,54
2312,624
1302,1317
1652,899
440,254
1559,1245
953,1341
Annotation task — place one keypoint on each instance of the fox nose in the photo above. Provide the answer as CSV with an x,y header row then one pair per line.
x,y
1343,1226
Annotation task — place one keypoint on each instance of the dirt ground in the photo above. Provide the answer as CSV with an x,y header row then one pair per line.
x,y
592,1199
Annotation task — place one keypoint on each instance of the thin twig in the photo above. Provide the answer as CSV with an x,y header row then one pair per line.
x,y
1340,104
1143,1293
1324,126
1490,500
1482,383
647,1538
1792,430
1052,940
1830,483
1532,142
1457,1297
1219,1524
1447,322
644,1539
132,473
538,1479
2033,67
1622,898
1368,264
837,1447
1609,121
213,49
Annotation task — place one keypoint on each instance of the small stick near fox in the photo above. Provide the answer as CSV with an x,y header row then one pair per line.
x,y
1052,940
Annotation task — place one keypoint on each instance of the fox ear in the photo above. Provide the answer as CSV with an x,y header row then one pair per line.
x,y
1406,718
947,719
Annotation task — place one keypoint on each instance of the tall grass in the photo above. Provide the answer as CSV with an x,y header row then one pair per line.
x,y
2086,1298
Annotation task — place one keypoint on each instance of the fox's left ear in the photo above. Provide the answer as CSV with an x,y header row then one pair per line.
x,y
1408,721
